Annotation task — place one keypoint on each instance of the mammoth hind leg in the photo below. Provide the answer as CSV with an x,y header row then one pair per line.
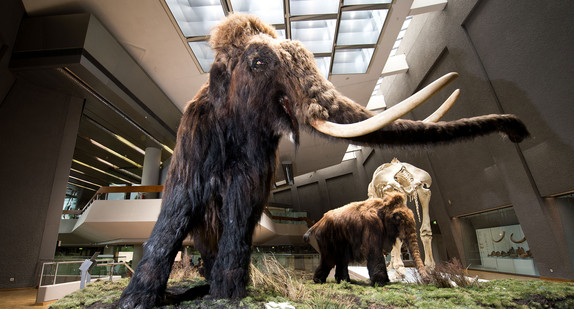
x,y
342,271
376,265
323,270
342,264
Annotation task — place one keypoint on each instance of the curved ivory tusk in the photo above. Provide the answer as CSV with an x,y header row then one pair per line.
x,y
517,241
439,113
380,120
501,237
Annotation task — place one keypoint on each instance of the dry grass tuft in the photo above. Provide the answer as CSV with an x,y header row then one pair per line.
x,y
270,276
182,270
449,274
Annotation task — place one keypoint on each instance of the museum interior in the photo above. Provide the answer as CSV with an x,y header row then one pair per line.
x,y
92,93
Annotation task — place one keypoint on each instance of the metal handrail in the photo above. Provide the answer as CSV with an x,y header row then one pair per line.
x,y
106,262
123,189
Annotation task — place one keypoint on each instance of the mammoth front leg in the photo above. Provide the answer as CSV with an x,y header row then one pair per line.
x,y
327,260
147,286
424,196
206,244
241,211
376,265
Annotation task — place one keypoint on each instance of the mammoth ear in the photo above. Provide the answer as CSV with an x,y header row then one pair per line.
x,y
218,83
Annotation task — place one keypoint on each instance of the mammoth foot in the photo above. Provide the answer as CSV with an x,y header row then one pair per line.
x,y
137,301
176,296
380,279
172,297
229,283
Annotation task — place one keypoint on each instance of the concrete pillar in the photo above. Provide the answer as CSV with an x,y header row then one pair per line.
x,y
109,250
138,254
32,119
151,169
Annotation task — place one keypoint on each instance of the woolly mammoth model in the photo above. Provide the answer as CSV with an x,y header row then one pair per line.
x,y
415,183
360,231
220,175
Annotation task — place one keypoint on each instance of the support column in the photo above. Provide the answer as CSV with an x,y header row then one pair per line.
x,y
138,254
151,168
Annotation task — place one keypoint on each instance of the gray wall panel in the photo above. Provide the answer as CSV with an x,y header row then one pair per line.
x,y
40,126
310,201
342,190
283,197
527,55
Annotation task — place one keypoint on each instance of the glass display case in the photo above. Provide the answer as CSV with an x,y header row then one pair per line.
x,y
494,241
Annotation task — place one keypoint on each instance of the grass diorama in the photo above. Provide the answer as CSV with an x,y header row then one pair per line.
x,y
274,286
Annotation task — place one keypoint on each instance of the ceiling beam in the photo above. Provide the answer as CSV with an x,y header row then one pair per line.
x,y
426,6
395,65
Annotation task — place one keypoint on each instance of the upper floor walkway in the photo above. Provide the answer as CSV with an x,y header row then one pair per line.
x,y
126,215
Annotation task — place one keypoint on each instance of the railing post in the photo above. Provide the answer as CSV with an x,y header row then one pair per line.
x,y
56,273
42,274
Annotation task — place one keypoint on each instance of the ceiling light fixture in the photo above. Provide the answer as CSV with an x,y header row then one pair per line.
x,y
88,182
77,171
115,153
101,171
84,187
125,141
167,149
118,168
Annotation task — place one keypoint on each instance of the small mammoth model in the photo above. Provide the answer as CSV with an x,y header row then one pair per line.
x,y
360,231
415,183
261,88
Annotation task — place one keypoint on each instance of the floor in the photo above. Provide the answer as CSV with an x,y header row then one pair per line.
x,y
26,297
20,298
492,276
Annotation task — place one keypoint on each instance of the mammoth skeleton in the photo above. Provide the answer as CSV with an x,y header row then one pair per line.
x,y
261,88
415,183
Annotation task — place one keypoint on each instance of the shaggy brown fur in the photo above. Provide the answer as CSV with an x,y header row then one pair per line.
x,y
361,231
220,175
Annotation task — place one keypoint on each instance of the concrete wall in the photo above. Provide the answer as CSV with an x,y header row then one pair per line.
x,y
38,128
512,57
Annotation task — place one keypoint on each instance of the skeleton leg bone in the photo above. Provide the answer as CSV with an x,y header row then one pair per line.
x,y
424,196
396,262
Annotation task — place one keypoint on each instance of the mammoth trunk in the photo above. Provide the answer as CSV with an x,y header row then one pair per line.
x,y
412,243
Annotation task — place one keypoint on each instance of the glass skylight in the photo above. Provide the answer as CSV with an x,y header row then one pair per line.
x,y
316,35
282,33
400,36
270,11
196,17
352,61
313,7
203,53
323,63
351,152
335,32
361,27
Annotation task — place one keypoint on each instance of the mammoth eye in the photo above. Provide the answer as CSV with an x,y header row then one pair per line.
x,y
257,64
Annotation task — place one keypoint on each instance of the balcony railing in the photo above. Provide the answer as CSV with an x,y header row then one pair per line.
x,y
68,271
281,216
